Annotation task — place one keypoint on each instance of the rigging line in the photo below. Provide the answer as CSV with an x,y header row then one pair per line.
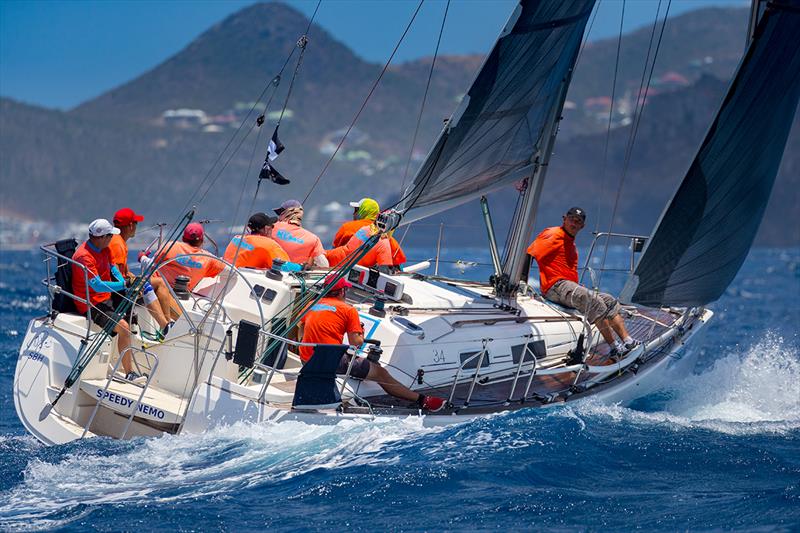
x,y
301,43
274,82
422,184
364,104
588,32
424,97
610,119
633,138
244,183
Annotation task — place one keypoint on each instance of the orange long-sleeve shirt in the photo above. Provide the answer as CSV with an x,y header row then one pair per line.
x,y
555,253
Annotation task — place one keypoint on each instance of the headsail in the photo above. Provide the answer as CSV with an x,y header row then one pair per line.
x,y
490,141
706,231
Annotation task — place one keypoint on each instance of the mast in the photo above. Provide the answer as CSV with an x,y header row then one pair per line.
x,y
517,259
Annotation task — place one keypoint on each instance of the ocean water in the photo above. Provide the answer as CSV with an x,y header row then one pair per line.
x,y
718,451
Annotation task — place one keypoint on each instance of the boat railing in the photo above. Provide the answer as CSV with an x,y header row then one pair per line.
x,y
636,245
54,288
148,370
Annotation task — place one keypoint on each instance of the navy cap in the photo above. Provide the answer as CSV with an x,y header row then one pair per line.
x,y
260,220
577,212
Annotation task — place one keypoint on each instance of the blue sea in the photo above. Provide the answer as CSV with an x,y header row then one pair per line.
x,y
719,451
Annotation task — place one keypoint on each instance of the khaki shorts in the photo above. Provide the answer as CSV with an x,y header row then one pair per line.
x,y
594,306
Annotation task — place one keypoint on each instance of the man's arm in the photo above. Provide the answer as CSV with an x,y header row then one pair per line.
x,y
545,246
355,338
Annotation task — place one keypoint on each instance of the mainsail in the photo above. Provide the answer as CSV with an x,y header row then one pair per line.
x,y
706,231
502,122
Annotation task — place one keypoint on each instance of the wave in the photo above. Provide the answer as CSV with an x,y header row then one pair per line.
x,y
753,392
181,468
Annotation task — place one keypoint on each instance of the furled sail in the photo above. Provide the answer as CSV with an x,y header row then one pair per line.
x,y
493,137
706,231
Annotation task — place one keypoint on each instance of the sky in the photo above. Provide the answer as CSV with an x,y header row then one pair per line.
x,y
57,54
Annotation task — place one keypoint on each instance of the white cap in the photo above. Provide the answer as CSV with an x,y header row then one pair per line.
x,y
102,227
358,203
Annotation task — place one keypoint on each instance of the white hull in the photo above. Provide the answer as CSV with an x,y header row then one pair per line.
x,y
194,387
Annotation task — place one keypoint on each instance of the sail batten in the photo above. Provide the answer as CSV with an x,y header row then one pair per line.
x,y
705,233
493,138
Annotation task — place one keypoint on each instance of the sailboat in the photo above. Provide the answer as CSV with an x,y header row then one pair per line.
x,y
486,347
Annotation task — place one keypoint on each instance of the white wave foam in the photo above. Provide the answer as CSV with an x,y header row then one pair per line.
x,y
755,392
178,468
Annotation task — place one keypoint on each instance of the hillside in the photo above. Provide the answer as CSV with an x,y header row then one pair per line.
x,y
121,148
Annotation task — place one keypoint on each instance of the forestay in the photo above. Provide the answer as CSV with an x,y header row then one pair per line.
x,y
706,231
495,134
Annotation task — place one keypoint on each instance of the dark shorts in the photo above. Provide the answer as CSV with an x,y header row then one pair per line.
x,y
101,314
360,368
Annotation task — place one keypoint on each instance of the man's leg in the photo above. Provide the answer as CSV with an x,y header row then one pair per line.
x,y
604,326
123,343
168,305
618,325
382,377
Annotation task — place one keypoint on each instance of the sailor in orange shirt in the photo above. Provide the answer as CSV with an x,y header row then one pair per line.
x,y
256,250
365,212
555,253
126,221
188,258
303,246
379,255
327,322
104,278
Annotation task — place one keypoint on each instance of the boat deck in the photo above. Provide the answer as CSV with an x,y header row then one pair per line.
x,y
643,324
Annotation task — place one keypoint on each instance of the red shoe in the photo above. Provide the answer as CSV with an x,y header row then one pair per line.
x,y
432,403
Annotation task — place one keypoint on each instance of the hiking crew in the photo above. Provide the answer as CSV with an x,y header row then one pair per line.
x,y
555,253
365,212
328,321
104,278
200,264
257,249
126,221
303,246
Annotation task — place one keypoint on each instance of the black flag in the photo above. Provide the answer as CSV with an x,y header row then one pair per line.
x,y
275,146
268,172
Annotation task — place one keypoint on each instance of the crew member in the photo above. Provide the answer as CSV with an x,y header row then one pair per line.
x,y
327,322
555,253
379,255
365,212
95,257
190,259
126,221
257,249
303,246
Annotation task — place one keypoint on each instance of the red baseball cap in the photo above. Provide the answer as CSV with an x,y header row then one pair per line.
x,y
126,216
193,232
341,284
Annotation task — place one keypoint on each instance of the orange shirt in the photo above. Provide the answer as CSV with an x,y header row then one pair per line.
x,y
255,251
98,263
196,267
299,243
556,255
349,228
378,255
327,322
119,253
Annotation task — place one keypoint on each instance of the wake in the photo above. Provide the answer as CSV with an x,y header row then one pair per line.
x,y
753,392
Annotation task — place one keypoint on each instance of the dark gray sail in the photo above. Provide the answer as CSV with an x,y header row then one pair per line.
x,y
706,231
493,137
